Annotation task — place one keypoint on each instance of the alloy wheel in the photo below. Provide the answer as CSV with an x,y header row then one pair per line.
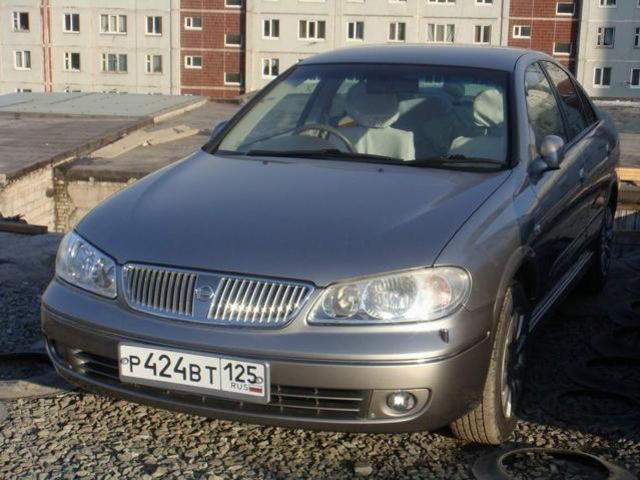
x,y
513,363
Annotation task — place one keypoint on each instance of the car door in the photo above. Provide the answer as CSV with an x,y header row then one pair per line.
x,y
557,221
586,137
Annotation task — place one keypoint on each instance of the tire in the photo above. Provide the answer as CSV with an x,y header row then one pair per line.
x,y
493,420
598,271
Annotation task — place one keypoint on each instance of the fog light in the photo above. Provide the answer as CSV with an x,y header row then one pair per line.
x,y
401,402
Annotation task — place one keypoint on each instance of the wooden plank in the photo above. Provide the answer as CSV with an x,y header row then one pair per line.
x,y
630,174
24,228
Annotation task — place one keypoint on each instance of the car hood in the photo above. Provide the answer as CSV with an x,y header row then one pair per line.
x,y
313,220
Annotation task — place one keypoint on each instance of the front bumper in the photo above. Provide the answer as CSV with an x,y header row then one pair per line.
x,y
315,393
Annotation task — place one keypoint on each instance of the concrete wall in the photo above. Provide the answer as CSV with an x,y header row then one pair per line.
x,y
10,41
31,195
625,18
376,15
75,198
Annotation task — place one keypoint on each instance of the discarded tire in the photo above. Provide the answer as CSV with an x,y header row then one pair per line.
x,y
596,408
622,342
617,375
627,315
40,385
492,466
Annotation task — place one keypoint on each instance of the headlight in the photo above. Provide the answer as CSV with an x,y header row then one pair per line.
x,y
413,296
84,266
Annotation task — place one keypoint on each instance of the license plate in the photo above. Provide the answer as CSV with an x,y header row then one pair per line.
x,y
220,376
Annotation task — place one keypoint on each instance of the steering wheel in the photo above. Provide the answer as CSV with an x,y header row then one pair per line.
x,y
328,129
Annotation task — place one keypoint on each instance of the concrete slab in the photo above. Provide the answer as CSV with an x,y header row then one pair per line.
x,y
143,138
102,104
27,144
143,160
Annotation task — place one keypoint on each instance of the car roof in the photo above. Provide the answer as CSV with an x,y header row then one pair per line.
x,y
496,58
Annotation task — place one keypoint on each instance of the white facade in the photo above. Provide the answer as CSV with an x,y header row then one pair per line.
x,y
75,52
609,48
415,21
12,40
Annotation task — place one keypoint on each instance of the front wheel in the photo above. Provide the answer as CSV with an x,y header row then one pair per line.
x,y
494,419
598,271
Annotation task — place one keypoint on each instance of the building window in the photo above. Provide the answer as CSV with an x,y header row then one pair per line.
x,y
440,33
271,28
608,3
72,61
154,63
606,36
23,60
23,90
565,8
270,67
233,39
20,21
355,30
233,3
636,38
315,29
154,25
71,23
483,34
562,48
635,78
232,78
113,24
441,1
397,32
114,62
602,77
193,23
193,61
484,2
522,31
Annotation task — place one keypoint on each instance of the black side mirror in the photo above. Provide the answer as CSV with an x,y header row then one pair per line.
x,y
217,129
551,152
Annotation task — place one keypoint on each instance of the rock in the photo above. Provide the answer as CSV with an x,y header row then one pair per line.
x,y
362,468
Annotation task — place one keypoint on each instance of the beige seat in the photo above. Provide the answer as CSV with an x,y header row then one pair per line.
x,y
488,116
370,131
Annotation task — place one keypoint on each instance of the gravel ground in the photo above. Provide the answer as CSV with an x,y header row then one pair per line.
x,y
81,435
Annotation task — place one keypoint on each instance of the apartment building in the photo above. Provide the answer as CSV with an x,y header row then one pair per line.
x,y
146,46
609,60
282,32
21,52
212,37
550,26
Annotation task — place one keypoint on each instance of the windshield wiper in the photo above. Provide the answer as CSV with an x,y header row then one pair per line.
x,y
326,153
454,159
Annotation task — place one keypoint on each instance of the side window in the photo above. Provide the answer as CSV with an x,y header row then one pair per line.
x,y
576,118
542,108
586,104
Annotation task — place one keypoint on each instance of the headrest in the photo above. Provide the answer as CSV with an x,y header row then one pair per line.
x,y
488,109
372,110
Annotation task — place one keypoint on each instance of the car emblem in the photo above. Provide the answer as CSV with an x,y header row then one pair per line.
x,y
204,293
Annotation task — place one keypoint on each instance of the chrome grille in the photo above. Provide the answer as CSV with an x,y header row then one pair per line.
x,y
246,301
212,298
160,290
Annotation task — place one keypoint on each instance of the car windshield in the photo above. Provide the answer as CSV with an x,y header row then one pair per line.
x,y
409,114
